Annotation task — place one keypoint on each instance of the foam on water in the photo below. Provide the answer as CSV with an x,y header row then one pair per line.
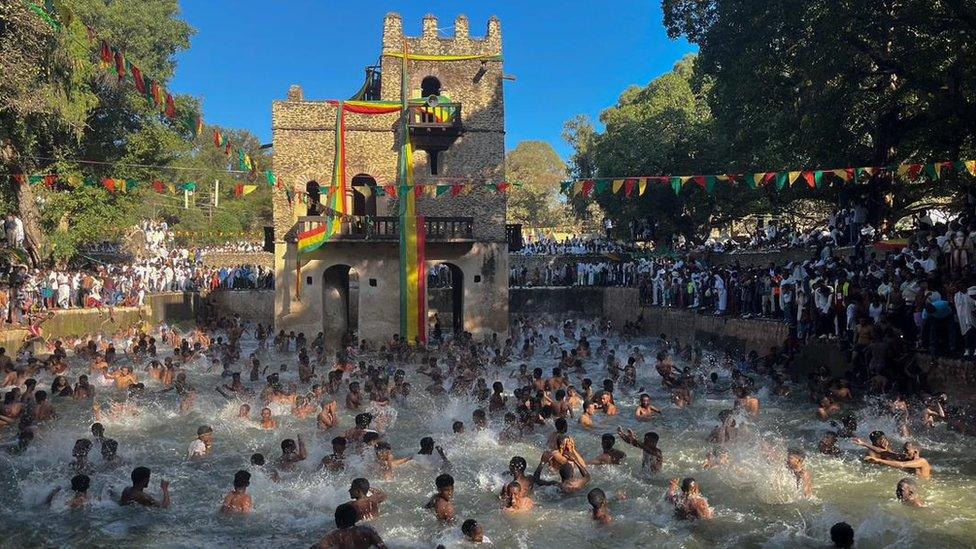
x,y
756,502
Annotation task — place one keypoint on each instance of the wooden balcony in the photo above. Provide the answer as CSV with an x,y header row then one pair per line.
x,y
434,128
387,229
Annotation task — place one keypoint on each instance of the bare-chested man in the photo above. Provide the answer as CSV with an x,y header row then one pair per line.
x,y
349,535
237,501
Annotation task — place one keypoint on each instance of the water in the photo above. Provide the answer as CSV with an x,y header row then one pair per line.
x,y
755,502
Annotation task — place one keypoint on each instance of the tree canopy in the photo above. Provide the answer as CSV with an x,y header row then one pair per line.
x,y
59,109
535,170
805,85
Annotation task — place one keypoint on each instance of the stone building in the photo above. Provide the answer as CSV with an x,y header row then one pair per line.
x,y
352,282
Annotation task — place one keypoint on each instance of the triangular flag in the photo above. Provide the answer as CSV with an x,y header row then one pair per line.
x,y
617,185
120,64
189,186
74,181
171,188
50,180
676,184
137,78
629,187
20,178
781,180
109,184
391,190
248,189
105,54
456,189
170,106
970,167
503,187
270,177
602,186
932,170
566,187
642,186
710,181
841,174
588,187
793,177
158,186
914,170
35,179
699,180
810,179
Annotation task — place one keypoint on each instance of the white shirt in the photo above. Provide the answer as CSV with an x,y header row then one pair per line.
x,y
197,448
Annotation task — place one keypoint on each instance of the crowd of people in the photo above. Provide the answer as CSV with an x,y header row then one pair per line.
x,y
575,245
365,384
163,267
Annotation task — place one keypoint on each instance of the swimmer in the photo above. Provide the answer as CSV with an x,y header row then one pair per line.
x,y
828,444
335,461
586,418
600,510
688,503
652,458
268,422
907,492
349,535
137,492
880,446
746,402
79,485
795,462
365,501
913,462
442,503
80,453
386,461
237,501
610,455
515,500
244,412
473,531
291,453
329,416
110,457
645,410
842,535
203,445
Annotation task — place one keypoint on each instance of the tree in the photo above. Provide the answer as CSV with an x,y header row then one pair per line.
x,y
535,170
664,128
836,83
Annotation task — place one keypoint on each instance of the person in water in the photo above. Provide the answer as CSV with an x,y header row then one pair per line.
x,y
442,503
349,535
137,492
238,501
842,535
203,445
600,510
652,459
472,531
913,462
689,504
365,501
796,464
907,492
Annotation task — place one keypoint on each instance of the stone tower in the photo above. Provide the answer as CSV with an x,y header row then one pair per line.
x,y
457,128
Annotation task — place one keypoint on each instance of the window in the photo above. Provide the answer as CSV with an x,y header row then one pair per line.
x,y
308,281
430,86
372,282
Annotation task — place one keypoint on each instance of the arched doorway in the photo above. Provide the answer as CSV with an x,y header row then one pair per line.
x,y
429,86
364,203
340,302
312,190
445,297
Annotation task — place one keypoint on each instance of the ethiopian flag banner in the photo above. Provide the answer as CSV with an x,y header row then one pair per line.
x,y
413,278
311,240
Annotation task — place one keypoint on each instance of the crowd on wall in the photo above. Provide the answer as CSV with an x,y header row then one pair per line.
x,y
93,284
924,290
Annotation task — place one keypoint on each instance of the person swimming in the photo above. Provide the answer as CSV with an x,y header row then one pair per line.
x,y
137,492
600,511
688,502
238,501
349,535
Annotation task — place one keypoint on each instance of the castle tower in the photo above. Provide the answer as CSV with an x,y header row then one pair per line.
x,y
456,127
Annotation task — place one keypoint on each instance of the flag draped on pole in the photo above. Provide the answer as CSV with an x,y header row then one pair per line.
x,y
413,272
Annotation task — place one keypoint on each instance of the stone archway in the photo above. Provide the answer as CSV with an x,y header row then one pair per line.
x,y
340,302
445,297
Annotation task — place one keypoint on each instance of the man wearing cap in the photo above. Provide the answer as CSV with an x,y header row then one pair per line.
x,y
203,444
965,303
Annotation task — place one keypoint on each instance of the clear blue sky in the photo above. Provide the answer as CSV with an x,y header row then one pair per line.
x,y
570,57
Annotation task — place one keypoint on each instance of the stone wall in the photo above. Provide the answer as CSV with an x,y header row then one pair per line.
x,y
253,305
763,259
580,301
233,259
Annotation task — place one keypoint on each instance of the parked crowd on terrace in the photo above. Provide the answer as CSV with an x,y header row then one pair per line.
x,y
24,291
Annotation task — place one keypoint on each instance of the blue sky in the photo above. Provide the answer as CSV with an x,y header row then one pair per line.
x,y
571,57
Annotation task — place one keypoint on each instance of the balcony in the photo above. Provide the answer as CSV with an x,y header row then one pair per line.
x,y
434,128
387,229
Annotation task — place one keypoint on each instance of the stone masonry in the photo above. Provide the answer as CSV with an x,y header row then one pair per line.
x,y
304,149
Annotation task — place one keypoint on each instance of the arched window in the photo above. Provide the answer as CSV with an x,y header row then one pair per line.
x,y
430,86
312,188
364,203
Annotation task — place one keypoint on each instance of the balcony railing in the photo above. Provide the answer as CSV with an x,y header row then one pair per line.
x,y
387,228
443,115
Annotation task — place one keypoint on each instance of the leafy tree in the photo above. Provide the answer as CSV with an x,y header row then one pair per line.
x,y
536,171
835,83
57,105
